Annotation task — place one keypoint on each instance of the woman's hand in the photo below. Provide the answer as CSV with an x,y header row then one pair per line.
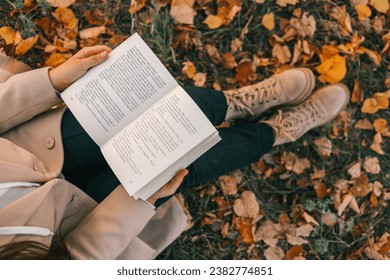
x,y
170,187
76,66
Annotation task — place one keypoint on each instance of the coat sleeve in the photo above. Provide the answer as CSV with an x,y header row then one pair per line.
x,y
25,95
110,227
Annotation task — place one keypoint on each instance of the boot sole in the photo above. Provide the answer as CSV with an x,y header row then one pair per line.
x,y
309,87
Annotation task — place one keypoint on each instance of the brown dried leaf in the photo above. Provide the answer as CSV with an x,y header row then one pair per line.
x,y
295,253
318,173
267,232
247,206
274,253
364,124
371,165
245,72
295,164
284,3
376,144
228,61
182,11
246,229
324,146
228,184
295,240
329,219
355,169
95,17
357,93
309,219
199,79
306,26
320,189
281,53
236,45
60,3
92,32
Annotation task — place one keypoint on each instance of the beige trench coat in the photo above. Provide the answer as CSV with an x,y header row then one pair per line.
x,y
31,151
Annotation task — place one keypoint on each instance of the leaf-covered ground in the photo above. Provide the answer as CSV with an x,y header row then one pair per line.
x,y
322,197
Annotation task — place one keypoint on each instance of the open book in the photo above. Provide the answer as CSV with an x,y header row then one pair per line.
x,y
146,125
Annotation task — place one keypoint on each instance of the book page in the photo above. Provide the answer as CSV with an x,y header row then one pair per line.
x,y
156,139
115,92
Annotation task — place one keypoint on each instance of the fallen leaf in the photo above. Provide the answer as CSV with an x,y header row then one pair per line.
x,y
309,219
25,45
281,53
274,253
373,250
294,253
245,72
268,21
306,26
376,144
363,11
9,35
267,232
357,92
304,230
329,219
376,102
182,11
92,32
95,17
332,70
296,240
295,164
60,3
371,165
213,22
346,200
364,124
380,125
284,3
320,189
136,5
317,174
66,17
247,205
355,169
381,6
324,146
246,230
199,79
188,69
236,45
55,60
373,56
228,184
228,61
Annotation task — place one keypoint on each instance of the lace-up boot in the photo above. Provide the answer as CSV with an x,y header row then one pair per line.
x,y
320,108
290,87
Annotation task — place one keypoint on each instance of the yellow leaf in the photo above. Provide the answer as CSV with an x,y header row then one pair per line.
x,y
268,21
380,5
357,93
55,60
213,22
25,45
327,52
9,35
188,69
363,11
333,70
380,125
60,3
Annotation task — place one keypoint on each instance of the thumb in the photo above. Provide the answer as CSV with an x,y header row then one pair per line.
x,y
94,60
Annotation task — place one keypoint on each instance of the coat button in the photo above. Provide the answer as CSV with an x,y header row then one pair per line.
x,y
49,142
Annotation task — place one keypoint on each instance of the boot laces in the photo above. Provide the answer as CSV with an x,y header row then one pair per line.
x,y
291,124
247,97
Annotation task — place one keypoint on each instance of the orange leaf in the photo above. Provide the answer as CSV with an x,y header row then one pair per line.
x,y
92,32
136,5
357,93
363,11
245,72
294,252
381,6
321,190
246,229
268,21
60,3
213,22
376,102
9,35
333,70
380,125
228,61
25,45
66,17
55,60
188,69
